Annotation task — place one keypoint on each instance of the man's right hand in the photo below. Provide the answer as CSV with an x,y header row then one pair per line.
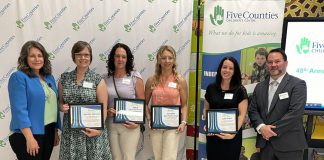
x,y
267,131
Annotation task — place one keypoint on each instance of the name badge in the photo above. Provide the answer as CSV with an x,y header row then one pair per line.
x,y
172,85
228,96
87,84
283,95
126,81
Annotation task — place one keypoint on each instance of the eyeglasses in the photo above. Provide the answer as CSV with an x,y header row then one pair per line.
x,y
80,55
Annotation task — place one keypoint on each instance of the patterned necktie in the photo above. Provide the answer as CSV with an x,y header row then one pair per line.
x,y
272,91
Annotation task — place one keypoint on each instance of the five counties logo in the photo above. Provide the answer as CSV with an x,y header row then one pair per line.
x,y
4,46
4,112
3,10
2,115
49,24
303,47
103,26
58,49
155,25
76,25
219,16
128,27
176,28
306,46
4,78
2,143
20,22
104,56
152,55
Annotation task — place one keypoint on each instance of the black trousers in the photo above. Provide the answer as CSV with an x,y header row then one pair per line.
x,y
45,142
269,153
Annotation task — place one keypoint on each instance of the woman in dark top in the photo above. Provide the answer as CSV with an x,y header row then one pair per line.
x,y
226,92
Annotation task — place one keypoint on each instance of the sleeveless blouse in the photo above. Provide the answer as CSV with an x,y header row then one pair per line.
x,y
75,145
167,93
125,87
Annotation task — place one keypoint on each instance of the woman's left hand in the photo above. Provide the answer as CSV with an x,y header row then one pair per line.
x,y
181,128
130,125
91,132
225,135
56,138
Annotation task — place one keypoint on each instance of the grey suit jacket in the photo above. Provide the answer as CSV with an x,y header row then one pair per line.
x,y
286,113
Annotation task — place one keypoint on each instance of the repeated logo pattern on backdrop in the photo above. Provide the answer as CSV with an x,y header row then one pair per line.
x,y
49,24
143,25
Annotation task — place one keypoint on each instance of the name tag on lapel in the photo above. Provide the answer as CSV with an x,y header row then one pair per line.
x,y
283,95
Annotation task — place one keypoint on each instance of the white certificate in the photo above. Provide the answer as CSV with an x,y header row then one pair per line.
x,y
165,117
222,121
129,110
86,116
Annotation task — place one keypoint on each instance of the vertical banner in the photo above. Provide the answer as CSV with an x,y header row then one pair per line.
x,y
239,29
143,25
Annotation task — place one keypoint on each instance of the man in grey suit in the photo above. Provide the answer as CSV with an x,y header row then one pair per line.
x,y
278,119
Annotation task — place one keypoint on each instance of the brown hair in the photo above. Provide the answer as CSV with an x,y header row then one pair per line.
x,y
78,47
22,60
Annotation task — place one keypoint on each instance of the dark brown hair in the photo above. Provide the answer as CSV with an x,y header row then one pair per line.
x,y
111,63
22,60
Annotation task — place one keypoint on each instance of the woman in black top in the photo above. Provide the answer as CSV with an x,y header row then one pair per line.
x,y
226,92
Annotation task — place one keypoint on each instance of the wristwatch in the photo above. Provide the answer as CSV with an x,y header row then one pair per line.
x,y
184,122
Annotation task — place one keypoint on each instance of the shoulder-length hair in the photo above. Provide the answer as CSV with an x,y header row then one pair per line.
x,y
158,70
78,47
22,60
111,63
236,80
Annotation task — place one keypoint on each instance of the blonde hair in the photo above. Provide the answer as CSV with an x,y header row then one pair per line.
x,y
158,70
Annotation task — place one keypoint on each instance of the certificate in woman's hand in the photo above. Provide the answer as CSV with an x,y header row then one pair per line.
x,y
129,110
165,117
221,121
86,115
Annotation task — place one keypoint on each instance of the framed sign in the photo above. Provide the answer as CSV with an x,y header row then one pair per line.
x,y
86,115
129,110
165,117
222,121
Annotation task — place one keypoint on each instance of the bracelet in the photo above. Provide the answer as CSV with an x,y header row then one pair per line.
x,y
184,122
